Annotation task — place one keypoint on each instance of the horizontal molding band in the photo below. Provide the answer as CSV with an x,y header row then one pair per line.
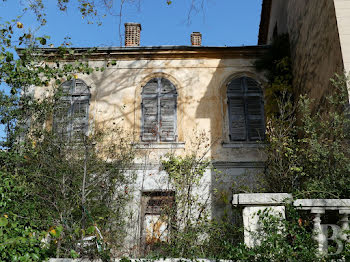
x,y
217,164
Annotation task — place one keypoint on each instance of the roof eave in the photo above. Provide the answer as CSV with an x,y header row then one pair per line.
x,y
155,52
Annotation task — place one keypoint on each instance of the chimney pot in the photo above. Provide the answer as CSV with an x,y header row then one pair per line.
x,y
132,34
196,39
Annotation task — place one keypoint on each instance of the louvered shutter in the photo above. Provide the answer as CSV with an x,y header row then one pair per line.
x,y
167,87
71,116
167,119
61,119
255,118
237,119
151,88
67,87
235,87
255,110
159,111
80,117
246,110
252,86
150,119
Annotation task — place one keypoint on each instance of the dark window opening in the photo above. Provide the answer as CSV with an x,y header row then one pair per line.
x,y
157,219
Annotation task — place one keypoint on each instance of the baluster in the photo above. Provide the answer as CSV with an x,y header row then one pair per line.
x,y
344,224
319,234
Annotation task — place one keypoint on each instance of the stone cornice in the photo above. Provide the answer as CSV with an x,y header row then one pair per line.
x,y
154,52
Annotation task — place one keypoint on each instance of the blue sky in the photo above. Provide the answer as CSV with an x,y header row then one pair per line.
x,y
221,22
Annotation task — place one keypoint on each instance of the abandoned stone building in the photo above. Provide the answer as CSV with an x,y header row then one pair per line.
x,y
164,96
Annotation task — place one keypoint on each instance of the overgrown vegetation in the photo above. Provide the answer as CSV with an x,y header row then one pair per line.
x,y
59,197
61,191
311,158
307,148
66,198
193,233
308,155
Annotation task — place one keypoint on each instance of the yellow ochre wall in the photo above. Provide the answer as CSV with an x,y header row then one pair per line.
x,y
202,105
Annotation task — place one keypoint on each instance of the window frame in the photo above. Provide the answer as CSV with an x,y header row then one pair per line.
x,y
159,96
165,198
244,94
71,97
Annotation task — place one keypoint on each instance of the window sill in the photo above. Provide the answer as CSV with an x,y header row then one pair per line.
x,y
159,145
243,144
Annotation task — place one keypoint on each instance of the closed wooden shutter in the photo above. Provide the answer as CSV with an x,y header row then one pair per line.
x,y
237,119
167,119
159,111
246,110
80,117
255,118
71,118
150,119
255,110
61,119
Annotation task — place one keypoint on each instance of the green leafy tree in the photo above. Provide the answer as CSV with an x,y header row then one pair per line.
x,y
55,192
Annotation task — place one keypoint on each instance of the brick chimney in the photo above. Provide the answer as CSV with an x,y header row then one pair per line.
x,y
196,39
132,34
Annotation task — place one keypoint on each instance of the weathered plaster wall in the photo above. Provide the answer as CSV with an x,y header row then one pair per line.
x,y
314,38
202,107
202,103
342,10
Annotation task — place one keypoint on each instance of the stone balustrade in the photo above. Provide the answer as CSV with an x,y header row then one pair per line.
x,y
318,207
275,203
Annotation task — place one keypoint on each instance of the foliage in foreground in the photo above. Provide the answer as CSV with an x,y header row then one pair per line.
x,y
311,158
197,236
70,191
19,238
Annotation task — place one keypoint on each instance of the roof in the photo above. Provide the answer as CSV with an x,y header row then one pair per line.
x,y
156,52
264,22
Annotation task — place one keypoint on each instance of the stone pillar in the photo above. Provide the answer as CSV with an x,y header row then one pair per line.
x,y
252,228
253,204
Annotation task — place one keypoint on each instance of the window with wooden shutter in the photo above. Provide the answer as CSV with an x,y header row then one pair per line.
x,y
246,110
71,116
159,101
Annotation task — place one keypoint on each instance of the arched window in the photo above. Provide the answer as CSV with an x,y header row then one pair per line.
x,y
71,117
246,110
159,102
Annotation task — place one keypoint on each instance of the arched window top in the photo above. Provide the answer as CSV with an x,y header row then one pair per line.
x,y
75,87
159,106
244,85
159,86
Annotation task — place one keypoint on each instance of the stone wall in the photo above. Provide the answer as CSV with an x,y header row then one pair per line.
x,y
315,45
